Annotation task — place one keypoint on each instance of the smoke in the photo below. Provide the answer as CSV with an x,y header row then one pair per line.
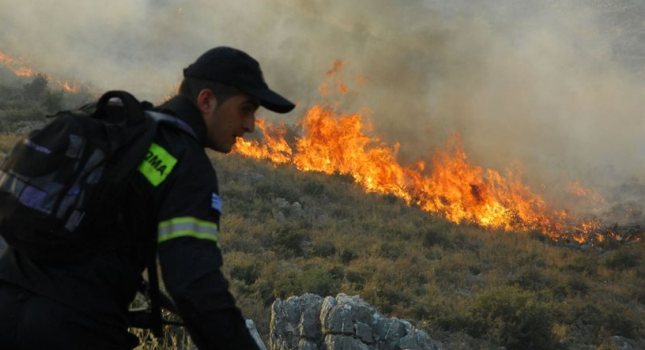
x,y
552,85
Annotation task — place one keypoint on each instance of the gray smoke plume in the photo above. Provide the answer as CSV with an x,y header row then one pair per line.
x,y
553,85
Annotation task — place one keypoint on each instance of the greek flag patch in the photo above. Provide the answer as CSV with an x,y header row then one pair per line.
x,y
216,203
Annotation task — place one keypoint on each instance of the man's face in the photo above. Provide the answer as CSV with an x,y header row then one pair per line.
x,y
229,120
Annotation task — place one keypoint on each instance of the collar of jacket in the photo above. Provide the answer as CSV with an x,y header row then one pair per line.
x,y
180,106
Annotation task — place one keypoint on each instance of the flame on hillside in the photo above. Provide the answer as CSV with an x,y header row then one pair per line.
x,y
450,185
20,69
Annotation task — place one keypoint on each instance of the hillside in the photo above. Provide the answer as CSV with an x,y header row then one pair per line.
x,y
286,232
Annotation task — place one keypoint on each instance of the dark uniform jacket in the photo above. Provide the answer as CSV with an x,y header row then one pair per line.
x,y
174,199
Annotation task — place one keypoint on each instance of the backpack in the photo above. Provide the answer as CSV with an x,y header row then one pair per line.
x,y
61,182
59,186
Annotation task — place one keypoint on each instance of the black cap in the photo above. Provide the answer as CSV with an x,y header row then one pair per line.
x,y
236,68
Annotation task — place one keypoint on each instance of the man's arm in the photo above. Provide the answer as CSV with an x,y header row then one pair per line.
x,y
191,272
188,209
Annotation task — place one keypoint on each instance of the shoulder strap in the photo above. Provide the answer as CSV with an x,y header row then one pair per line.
x,y
154,294
172,120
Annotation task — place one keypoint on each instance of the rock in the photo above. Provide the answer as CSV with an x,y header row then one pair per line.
x,y
293,320
327,305
418,340
296,210
281,203
251,176
306,344
310,322
339,342
390,330
321,220
364,332
337,319
282,209
279,216
309,326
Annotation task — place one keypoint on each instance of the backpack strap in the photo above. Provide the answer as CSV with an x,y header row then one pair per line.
x,y
172,120
154,293
131,104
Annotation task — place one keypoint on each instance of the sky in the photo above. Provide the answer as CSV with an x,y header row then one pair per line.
x,y
554,86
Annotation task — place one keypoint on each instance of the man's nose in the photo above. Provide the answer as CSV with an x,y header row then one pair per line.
x,y
249,124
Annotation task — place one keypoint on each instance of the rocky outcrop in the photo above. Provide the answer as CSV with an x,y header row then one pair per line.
x,y
311,322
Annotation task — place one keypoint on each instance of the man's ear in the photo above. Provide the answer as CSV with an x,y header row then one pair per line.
x,y
206,101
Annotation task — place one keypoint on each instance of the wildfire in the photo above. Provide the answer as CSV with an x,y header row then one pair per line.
x,y
450,186
22,70
576,188
456,189
275,148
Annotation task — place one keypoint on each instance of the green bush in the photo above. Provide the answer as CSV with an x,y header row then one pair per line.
x,y
269,189
288,242
513,318
347,255
284,284
531,278
318,280
607,317
391,251
14,116
584,263
288,282
324,249
432,238
247,273
356,278
314,188
574,286
620,260
36,89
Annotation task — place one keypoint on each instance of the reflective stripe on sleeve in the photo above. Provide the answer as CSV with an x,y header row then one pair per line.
x,y
187,227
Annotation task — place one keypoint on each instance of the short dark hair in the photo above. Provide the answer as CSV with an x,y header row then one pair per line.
x,y
190,87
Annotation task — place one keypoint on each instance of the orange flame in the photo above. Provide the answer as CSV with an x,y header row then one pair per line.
x,y
68,87
341,87
15,66
21,70
274,148
24,72
452,187
576,188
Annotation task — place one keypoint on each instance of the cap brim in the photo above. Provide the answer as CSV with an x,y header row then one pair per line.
x,y
271,100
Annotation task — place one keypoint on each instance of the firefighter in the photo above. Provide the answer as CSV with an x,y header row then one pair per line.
x,y
173,198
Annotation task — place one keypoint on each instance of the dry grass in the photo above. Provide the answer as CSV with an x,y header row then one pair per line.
x,y
464,285
7,140
413,265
